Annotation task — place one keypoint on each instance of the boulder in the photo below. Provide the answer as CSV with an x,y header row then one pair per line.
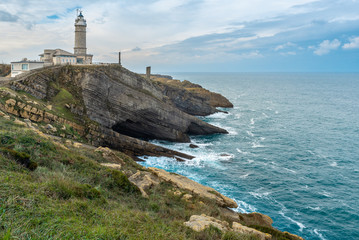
x,y
237,227
185,183
200,222
109,155
144,181
112,165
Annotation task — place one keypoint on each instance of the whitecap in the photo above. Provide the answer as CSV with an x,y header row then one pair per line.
x,y
300,225
250,161
315,208
259,195
316,231
244,207
226,156
265,115
333,164
276,112
240,151
238,115
252,121
244,176
250,133
219,115
256,145
289,170
326,194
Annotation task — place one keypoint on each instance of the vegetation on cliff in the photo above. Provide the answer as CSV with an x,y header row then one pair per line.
x,y
72,195
5,70
53,187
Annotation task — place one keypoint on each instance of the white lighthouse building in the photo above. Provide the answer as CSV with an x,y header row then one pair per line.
x,y
80,49
80,56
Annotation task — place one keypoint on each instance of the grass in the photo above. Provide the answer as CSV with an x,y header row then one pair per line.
x,y
71,196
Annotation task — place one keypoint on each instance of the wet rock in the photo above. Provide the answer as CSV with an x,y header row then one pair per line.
x,y
193,146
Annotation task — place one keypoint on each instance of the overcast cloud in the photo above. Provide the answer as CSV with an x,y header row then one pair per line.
x,y
191,35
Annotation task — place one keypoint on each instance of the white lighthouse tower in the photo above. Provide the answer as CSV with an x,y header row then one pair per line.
x,y
80,49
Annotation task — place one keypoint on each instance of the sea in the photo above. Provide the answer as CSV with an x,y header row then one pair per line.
x,y
292,151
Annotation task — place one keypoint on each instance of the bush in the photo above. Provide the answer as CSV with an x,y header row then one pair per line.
x,y
118,180
238,236
276,234
63,189
21,157
211,233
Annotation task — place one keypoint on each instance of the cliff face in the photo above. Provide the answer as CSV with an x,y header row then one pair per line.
x,y
191,98
117,99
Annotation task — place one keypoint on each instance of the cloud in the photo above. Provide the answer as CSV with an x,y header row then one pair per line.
x,y
7,17
136,49
180,31
326,46
354,43
284,46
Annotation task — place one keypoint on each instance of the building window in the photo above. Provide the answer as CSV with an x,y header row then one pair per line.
x,y
25,66
12,66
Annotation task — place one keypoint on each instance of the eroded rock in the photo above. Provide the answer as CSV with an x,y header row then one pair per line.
x,y
185,183
237,227
144,181
200,222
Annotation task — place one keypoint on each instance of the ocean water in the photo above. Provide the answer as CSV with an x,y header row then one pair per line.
x,y
292,151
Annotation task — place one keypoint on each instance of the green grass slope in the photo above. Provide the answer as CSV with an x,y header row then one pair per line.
x,y
69,195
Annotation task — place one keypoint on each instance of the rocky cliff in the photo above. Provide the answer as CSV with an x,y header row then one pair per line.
x,y
189,97
116,99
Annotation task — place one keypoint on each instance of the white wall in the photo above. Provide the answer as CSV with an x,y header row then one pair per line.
x,y
21,67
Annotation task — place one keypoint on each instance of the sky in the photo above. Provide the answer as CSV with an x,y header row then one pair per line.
x,y
191,35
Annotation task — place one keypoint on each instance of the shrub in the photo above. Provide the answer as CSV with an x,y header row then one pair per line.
x,y
211,233
118,180
21,157
64,189
276,234
237,236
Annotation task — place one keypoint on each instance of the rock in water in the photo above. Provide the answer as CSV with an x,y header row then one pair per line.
x,y
193,146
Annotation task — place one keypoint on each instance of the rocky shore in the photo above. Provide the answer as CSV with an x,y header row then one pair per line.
x,y
110,107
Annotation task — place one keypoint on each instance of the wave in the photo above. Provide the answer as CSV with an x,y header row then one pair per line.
x,y
252,121
244,176
250,133
300,225
219,115
315,208
226,156
240,151
333,164
316,231
259,195
244,207
257,145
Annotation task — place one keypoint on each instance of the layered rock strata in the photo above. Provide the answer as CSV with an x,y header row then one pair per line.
x,y
118,99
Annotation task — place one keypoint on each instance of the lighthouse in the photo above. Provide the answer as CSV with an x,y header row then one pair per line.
x,y
80,49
